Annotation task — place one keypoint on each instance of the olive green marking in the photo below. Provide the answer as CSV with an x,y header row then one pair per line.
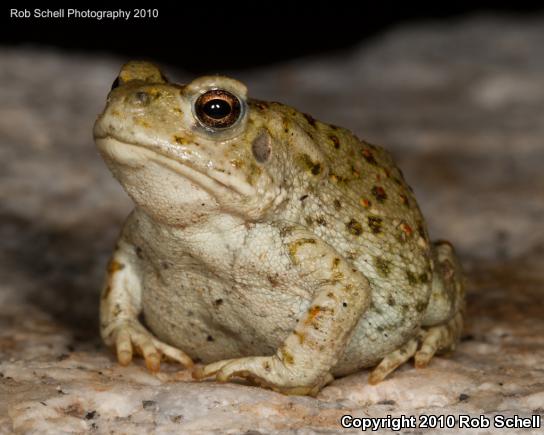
x,y
383,266
313,167
424,278
375,224
321,221
421,306
354,227
293,248
335,141
369,157
411,277
379,193
309,119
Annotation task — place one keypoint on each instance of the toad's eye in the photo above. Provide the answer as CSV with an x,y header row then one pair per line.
x,y
218,109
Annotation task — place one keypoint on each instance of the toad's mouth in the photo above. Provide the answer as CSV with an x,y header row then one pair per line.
x,y
136,156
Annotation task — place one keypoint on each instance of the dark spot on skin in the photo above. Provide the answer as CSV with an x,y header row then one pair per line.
x,y
261,105
335,141
337,204
397,181
309,221
209,338
262,147
90,415
309,119
354,227
424,278
139,252
321,221
383,266
421,306
316,169
463,397
379,193
218,302
335,262
411,277
375,224
404,200
313,167
303,197
165,265
273,280
391,301
344,304
369,157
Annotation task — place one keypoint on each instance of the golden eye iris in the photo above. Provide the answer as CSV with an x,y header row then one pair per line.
x,y
218,108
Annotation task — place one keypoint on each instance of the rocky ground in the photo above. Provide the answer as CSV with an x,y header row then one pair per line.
x,y
460,104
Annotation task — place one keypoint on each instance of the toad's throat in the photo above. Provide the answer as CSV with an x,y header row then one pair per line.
x,y
136,155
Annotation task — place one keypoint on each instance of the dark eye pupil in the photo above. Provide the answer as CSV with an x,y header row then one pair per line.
x,y
217,108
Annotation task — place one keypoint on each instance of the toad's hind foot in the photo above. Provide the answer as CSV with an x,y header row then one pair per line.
x,y
431,339
439,338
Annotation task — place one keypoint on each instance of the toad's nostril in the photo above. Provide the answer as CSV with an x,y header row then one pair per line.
x,y
115,84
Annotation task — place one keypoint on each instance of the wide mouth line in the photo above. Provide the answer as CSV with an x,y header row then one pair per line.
x,y
185,169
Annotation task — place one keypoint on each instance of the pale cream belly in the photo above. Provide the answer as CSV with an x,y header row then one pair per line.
x,y
212,321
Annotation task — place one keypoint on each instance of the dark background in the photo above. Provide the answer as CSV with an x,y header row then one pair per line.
x,y
202,36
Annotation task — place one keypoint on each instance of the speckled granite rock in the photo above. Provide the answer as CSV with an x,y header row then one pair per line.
x,y
459,104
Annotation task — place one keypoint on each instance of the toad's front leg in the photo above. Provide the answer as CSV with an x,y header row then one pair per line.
x,y
303,363
120,305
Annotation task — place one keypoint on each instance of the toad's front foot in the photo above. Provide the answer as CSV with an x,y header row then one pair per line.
x,y
267,371
129,336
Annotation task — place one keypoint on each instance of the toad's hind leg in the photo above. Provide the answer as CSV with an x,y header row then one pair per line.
x,y
443,320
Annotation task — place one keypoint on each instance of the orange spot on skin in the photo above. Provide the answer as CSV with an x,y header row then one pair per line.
x,y
115,266
365,202
301,336
407,229
106,291
313,312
